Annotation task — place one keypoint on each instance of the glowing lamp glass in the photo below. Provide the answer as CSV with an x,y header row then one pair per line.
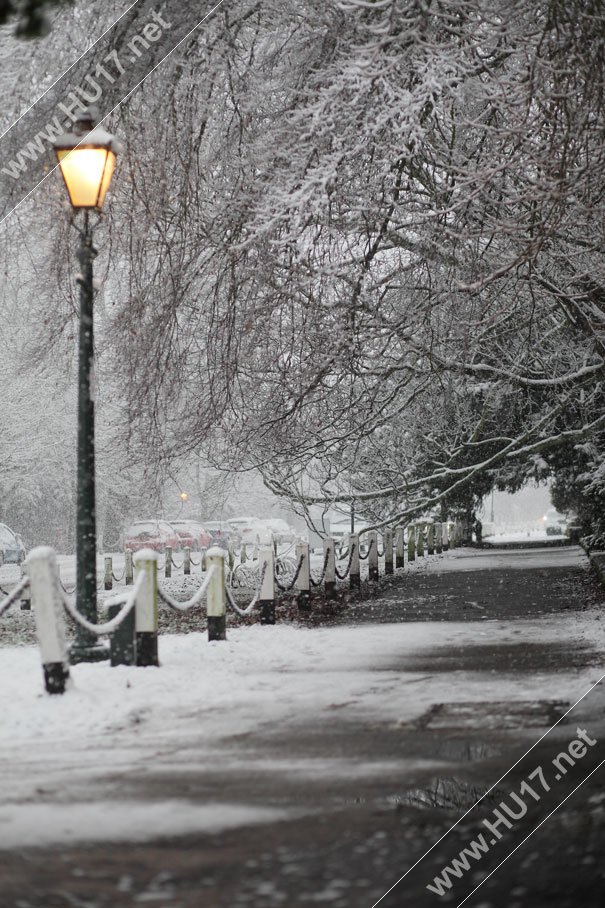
x,y
87,171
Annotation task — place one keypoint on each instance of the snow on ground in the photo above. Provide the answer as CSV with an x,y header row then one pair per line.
x,y
60,754
185,713
467,559
528,535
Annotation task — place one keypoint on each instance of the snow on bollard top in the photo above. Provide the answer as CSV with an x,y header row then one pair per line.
x,y
145,555
215,551
41,551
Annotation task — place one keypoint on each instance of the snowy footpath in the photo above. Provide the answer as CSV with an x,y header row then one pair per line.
x,y
280,726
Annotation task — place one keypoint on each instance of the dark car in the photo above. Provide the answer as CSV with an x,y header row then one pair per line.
x,y
12,550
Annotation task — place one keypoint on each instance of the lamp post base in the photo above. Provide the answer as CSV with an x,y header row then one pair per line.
x,y
88,652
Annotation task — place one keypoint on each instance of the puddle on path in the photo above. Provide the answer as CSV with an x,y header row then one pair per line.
x,y
491,715
447,793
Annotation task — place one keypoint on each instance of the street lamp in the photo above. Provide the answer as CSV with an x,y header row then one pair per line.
x,y
87,159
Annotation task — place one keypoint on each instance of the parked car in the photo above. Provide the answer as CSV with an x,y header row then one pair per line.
x,y
150,534
222,534
554,523
281,530
251,530
192,534
12,550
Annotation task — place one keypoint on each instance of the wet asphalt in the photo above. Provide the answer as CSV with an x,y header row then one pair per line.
x,y
350,839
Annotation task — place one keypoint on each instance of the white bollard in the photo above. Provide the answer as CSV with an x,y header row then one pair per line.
x,y
411,542
216,601
354,570
329,548
445,538
187,562
430,539
168,561
373,571
26,595
146,608
267,590
387,542
128,572
399,547
108,578
50,620
420,540
303,581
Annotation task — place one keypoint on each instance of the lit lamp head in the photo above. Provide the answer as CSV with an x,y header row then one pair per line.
x,y
184,496
87,158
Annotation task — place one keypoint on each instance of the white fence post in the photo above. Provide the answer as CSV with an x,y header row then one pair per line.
x,y
354,571
373,571
439,538
445,538
399,547
50,620
411,542
26,595
387,542
329,547
303,581
267,590
128,573
420,540
430,539
216,601
146,608
108,577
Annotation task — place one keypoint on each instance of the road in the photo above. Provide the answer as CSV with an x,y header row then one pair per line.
x,y
350,775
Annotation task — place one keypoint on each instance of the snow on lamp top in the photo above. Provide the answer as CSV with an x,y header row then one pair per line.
x,y
87,158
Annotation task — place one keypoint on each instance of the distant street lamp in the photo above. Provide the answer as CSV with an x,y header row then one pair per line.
x,y
87,159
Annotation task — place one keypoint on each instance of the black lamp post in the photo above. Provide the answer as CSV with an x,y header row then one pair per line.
x,y
87,159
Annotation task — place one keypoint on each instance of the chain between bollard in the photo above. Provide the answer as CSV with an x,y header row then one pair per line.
x,y
14,594
243,612
193,601
323,570
287,587
120,578
127,599
367,554
343,575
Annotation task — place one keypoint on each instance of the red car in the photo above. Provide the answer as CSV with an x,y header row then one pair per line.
x,y
192,535
150,534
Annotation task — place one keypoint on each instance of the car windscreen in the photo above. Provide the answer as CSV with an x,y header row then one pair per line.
x,y
140,528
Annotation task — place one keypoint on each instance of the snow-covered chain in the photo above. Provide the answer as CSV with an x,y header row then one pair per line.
x,y
286,587
323,570
14,594
246,611
367,554
195,599
108,627
342,574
